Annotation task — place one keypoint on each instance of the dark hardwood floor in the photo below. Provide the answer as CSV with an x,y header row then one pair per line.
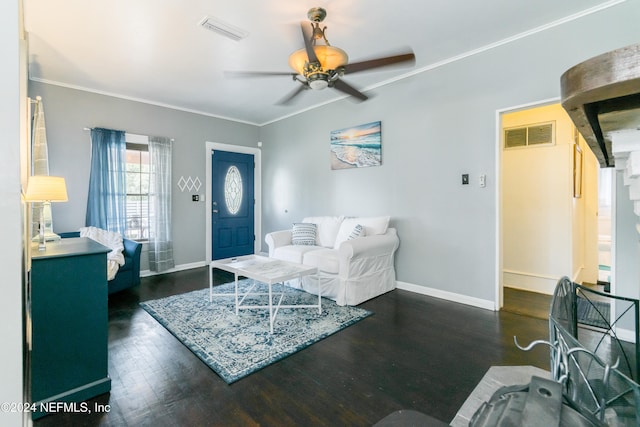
x,y
526,303
535,304
415,352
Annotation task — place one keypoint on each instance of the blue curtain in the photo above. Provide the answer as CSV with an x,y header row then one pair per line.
x,y
106,204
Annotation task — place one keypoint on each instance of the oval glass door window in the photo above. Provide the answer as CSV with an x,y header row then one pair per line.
x,y
233,190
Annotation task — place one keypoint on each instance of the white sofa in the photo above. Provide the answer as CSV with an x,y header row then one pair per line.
x,y
352,268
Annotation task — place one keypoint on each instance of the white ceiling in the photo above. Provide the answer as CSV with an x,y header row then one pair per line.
x,y
155,51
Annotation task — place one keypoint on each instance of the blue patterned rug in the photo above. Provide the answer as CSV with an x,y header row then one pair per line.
x,y
236,346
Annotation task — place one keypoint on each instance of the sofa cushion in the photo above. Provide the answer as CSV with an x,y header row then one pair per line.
x,y
328,227
304,233
372,225
293,253
326,260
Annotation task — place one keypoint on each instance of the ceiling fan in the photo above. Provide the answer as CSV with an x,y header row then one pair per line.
x,y
318,66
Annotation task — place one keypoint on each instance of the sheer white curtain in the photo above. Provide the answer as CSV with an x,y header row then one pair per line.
x,y
160,243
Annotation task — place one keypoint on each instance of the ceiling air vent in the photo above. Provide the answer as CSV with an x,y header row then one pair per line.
x,y
227,30
538,134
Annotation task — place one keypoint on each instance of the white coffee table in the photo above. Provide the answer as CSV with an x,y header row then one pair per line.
x,y
265,270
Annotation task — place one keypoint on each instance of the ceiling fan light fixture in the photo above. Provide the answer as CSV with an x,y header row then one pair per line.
x,y
321,66
330,58
318,81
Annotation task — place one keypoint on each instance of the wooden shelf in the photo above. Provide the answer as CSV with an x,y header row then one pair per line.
x,y
602,96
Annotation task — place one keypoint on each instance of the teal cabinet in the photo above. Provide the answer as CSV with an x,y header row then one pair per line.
x,y
69,322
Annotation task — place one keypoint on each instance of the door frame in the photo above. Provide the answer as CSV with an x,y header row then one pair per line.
x,y
257,189
499,249
499,285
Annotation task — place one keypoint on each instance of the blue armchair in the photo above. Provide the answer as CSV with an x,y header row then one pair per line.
x,y
128,275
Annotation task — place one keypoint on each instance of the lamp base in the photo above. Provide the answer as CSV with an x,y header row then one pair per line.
x,y
49,237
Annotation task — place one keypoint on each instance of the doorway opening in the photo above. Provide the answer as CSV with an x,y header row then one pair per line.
x,y
549,204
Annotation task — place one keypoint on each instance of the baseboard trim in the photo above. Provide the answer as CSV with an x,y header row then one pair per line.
x,y
445,295
627,335
532,282
181,267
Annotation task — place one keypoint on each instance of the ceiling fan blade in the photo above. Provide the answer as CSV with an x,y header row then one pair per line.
x,y
379,62
307,36
243,74
292,94
348,89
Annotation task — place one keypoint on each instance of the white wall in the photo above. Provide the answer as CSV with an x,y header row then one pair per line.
x,y
586,251
436,126
626,253
547,233
11,333
627,250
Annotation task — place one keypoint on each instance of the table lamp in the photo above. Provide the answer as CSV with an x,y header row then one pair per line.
x,y
45,189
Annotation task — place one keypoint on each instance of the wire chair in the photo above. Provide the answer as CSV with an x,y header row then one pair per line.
x,y
601,335
591,384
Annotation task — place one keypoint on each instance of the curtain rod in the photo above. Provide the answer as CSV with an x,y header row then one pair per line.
x,y
38,98
171,139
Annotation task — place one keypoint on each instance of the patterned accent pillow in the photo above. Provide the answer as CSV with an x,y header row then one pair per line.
x,y
304,233
358,231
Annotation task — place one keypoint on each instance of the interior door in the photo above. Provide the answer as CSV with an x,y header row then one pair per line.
x,y
232,204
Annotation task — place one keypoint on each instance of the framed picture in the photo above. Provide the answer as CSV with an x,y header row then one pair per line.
x,y
577,171
357,146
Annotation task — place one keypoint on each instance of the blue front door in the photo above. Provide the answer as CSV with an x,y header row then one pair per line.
x,y
232,204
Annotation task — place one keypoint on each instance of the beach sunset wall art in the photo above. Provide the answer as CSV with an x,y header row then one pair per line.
x,y
357,147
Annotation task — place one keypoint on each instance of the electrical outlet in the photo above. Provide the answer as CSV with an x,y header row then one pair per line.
x,y
465,178
195,198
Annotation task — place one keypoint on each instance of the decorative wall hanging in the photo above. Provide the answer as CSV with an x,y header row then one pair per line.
x,y
189,184
357,146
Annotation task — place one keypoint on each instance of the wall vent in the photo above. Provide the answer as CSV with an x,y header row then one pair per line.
x,y
227,30
538,134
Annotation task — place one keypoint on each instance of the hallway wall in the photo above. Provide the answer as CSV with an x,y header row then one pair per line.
x,y
547,232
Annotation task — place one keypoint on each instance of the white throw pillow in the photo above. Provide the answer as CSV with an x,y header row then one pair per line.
x,y
328,227
372,226
375,224
304,234
358,231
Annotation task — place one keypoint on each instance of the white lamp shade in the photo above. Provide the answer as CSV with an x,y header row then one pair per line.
x,y
44,188
329,57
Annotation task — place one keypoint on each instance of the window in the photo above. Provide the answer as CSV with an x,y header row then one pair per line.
x,y
137,182
130,190
233,190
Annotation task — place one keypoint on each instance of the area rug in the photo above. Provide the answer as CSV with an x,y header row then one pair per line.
x,y
236,346
593,313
